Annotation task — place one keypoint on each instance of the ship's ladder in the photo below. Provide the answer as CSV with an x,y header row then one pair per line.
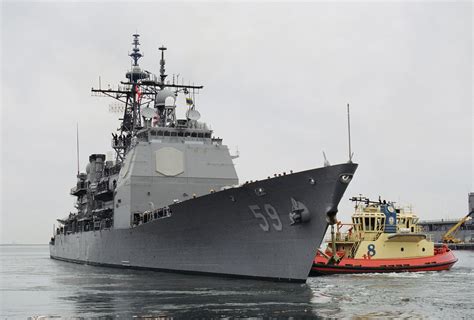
x,y
354,248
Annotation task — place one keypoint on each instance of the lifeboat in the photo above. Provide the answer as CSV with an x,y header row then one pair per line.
x,y
381,238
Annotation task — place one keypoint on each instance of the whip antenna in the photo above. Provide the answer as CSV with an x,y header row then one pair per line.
x,y
77,145
349,133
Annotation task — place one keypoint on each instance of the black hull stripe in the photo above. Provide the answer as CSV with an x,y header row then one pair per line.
x,y
383,269
222,275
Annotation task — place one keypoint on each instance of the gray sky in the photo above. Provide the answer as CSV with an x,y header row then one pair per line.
x,y
277,78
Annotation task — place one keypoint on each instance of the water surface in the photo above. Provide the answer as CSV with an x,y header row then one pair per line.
x,y
32,285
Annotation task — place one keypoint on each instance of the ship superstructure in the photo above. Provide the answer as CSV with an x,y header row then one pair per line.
x,y
171,200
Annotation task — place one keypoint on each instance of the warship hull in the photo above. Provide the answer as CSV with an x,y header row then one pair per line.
x,y
244,231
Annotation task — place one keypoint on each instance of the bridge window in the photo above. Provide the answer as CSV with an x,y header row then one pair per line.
x,y
207,135
369,223
167,133
201,135
153,133
194,135
187,134
160,133
366,223
180,134
173,134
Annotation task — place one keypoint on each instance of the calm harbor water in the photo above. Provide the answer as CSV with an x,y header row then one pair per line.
x,y
33,285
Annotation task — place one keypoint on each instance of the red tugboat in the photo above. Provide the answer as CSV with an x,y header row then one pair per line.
x,y
381,238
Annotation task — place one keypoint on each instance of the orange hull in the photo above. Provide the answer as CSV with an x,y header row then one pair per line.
x,y
443,259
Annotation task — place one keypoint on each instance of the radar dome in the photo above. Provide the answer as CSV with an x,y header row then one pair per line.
x,y
136,74
162,96
148,112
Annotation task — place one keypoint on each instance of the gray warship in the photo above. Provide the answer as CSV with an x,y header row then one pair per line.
x,y
170,199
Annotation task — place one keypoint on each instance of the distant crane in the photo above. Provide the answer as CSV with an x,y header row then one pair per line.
x,y
449,237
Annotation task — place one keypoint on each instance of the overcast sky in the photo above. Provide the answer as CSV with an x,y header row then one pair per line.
x,y
277,79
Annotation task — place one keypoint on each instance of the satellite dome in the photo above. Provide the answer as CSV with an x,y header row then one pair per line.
x,y
161,96
136,74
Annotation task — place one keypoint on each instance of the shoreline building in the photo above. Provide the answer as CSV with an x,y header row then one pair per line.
x,y
437,228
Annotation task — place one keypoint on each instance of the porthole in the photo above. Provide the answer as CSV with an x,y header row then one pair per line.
x,y
423,249
402,249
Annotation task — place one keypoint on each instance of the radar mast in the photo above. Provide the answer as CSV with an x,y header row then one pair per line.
x,y
142,88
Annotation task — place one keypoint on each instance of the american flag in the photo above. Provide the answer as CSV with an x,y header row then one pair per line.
x,y
139,93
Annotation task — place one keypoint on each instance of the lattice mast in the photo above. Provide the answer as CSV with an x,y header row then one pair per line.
x,y
140,89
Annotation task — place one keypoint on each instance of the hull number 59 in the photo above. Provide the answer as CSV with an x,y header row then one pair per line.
x,y
270,218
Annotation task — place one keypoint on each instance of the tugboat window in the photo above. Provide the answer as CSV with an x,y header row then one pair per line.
x,y
402,249
167,133
366,223
173,134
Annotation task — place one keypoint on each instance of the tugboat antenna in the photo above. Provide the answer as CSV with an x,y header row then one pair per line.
x,y
349,133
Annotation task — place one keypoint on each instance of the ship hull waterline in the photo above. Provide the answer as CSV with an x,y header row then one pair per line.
x,y
238,232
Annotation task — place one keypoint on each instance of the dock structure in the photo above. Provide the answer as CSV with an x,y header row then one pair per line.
x,y
471,201
437,228
461,246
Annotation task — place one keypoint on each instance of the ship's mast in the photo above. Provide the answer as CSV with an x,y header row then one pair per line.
x,y
140,90
136,50
162,67
131,95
